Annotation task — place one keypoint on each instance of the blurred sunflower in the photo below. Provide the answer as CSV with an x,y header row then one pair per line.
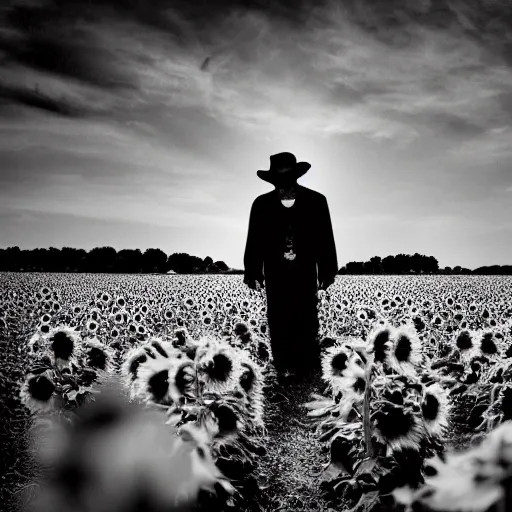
x,y
466,344
380,343
97,355
489,344
435,407
217,365
64,342
405,354
398,427
334,364
38,393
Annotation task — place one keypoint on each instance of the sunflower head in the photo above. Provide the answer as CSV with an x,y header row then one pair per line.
x,y
41,387
488,344
380,343
464,341
219,367
158,385
63,342
98,356
240,328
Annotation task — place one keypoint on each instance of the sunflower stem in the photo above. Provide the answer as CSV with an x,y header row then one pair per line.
x,y
366,411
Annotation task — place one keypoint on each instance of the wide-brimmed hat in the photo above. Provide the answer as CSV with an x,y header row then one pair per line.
x,y
284,165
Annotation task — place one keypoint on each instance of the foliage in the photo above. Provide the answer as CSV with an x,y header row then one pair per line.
x,y
105,259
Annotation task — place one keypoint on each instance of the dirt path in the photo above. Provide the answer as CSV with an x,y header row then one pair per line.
x,y
293,452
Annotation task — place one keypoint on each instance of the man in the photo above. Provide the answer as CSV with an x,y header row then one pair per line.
x,y
290,250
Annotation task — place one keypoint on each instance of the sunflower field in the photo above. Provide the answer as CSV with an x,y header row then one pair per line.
x,y
144,392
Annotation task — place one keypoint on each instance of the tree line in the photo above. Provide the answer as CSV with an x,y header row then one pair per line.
x,y
416,264
105,259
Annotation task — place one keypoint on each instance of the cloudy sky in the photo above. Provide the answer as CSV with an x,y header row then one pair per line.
x,y
142,124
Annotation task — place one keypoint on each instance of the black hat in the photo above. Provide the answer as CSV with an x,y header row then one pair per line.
x,y
284,165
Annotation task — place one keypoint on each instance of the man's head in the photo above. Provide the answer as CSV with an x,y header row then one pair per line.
x,y
284,170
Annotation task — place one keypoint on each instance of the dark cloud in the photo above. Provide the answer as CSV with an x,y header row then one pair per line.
x,y
37,99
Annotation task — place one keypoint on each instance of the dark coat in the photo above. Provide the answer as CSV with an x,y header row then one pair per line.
x,y
291,286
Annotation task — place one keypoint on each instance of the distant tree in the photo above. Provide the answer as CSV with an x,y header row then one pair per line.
x,y
72,259
388,265
129,261
376,264
11,258
221,266
184,263
101,259
154,260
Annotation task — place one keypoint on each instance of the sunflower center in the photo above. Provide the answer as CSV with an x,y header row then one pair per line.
x,y
62,345
41,388
403,349
158,384
97,358
464,341
430,407
339,363
488,346
380,345
221,367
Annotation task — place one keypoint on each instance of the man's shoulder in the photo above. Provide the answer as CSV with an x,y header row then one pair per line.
x,y
313,194
263,198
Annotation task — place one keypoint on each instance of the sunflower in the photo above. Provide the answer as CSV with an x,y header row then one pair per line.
x,y
121,301
466,344
361,315
405,354
473,308
398,427
46,319
44,328
162,379
207,320
437,321
38,393
380,343
435,408
45,291
92,326
217,365
64,343
334,365
489,344
134,358
98,356
189,302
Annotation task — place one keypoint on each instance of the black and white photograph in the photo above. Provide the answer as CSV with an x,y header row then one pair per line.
x,y
255,255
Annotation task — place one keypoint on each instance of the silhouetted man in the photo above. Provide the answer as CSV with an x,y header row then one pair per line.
x,y
290,250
